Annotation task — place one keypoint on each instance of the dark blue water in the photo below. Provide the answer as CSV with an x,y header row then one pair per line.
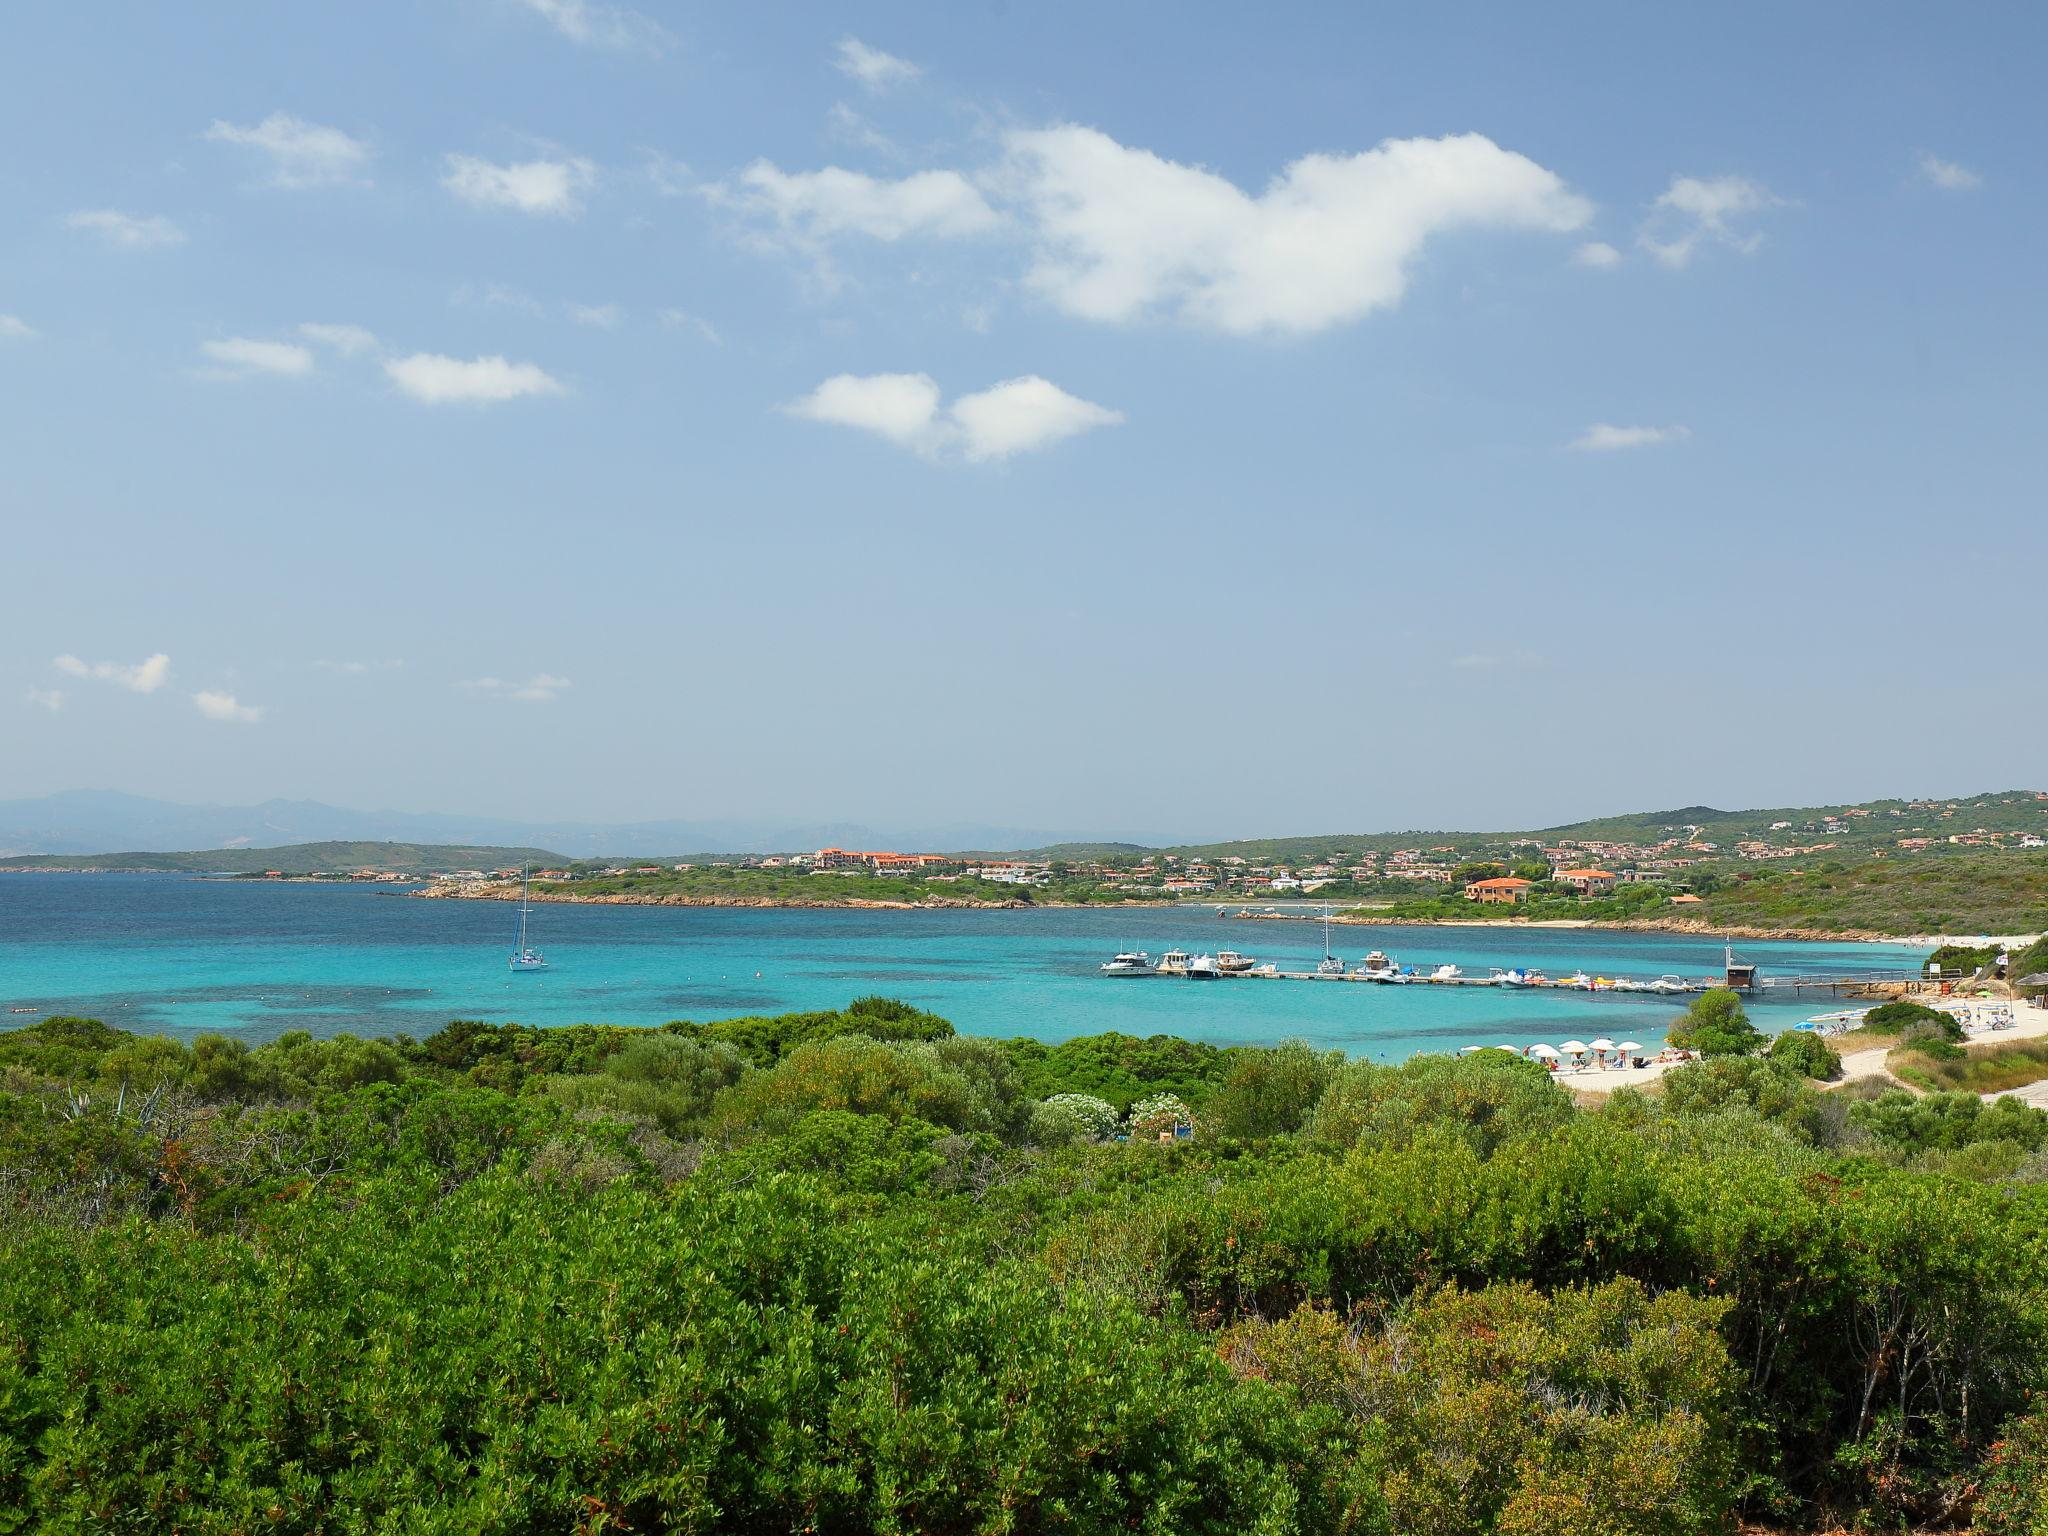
x,y
157,952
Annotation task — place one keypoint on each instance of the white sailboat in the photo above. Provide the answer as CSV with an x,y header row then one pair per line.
x,y
524,956
1331,965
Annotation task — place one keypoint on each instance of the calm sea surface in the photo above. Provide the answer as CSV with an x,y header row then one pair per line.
x,y
159,952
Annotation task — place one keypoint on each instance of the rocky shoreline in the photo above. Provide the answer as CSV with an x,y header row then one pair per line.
x,y
507,892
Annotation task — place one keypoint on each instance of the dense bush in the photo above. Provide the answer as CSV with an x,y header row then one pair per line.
x,y
1896,1018
796,1273
1807,1054
1716,1025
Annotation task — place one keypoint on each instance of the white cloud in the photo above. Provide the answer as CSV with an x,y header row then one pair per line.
x,y
683,320
51,699
1596,253
1018,415
348,340
301,154
874,69
550,188
1012,417
226,708
436,380
242,357
602,26
1602,438
143,677
540,688
1121,233
605,317
811,207
14,328
850,127
358,668
130,231
1947,175
1695,211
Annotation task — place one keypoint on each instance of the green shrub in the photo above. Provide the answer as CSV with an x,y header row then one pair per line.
x,y
1715,1024
1896,1017
1807,1054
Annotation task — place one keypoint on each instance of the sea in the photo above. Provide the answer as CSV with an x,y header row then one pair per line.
x,y
184,956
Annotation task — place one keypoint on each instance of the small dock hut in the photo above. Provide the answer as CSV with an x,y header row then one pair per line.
x,y
1738,975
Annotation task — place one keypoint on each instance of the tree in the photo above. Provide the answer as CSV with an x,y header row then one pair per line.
x,y
1807,1054
1716,1025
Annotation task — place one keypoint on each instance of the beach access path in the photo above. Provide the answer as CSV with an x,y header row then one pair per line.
x,y
2029,1021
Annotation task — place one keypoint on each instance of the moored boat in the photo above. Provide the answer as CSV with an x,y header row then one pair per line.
x,y
1132,962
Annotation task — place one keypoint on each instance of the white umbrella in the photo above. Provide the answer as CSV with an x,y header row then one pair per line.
x,y
1516,1049
1544,1051
1602,1044
1629,1045
1467,1050
1574,1047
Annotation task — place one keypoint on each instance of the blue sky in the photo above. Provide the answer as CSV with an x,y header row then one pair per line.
x,y
1211,420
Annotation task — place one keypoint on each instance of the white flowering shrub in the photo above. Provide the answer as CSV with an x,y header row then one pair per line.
x,y
1161,1112
1095,1117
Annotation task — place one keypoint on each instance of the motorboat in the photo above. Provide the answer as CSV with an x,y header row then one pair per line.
x,y
1667,985
1377,967
1445,973
1204,968
1578,981
1516,976
1173,963
1130,963
1232,963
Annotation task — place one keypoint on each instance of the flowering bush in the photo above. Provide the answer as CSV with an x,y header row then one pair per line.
x,y
1096,1117
1161,1112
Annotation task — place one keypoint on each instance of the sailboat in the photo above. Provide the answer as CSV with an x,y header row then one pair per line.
x,y
524,956
1331,965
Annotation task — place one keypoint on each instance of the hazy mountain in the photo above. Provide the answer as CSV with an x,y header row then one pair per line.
x,y
105,821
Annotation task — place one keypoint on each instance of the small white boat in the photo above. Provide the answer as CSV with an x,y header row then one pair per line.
x,y
1517,977
1173,963
524,956
1445,973
1204,968
1578,981
1232,963
1377,967
1667,985
1330,965
1132,962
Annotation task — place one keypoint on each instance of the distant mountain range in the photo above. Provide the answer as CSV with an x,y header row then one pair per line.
x,y
104,821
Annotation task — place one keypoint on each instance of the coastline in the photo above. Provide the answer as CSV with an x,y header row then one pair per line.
x,y
495,891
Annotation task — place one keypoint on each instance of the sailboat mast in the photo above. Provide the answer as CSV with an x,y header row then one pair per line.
x,y
524,869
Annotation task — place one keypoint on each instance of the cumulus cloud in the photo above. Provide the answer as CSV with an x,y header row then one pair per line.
x,y
1012,417
299,153
143,677
605,317
1597,254
1699,211
14,328
348,340
225,707
128,231
1946,174
242,357
543,187
1121,234
848,126
537,689
1603,438
51,699
434,379
873,69
602,26
812,207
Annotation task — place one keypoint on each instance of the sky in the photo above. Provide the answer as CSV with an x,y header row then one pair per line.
x,y
1198,419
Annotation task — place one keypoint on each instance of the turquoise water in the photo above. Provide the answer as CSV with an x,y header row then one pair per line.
x,y
154,952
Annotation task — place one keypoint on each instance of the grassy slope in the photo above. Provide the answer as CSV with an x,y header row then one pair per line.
x,y
1961,892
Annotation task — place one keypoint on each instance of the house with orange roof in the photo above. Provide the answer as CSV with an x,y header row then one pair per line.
x,y
1502,890
1587,882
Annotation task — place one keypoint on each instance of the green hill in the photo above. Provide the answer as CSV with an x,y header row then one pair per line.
x,y
297,859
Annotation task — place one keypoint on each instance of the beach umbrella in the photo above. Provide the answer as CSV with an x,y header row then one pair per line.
x,y
1514,1048
1629,1045
1574,1047
1544,1051
1602,1044
1467,1050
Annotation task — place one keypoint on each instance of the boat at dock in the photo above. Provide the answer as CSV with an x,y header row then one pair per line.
x,y
1203,968
1132,962
1173,963
1377,967
1230,962
1330,965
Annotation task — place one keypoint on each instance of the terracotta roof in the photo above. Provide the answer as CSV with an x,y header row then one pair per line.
x,y
1498,883
1594,874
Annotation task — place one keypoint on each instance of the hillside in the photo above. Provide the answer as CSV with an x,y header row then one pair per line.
x,y
295,859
